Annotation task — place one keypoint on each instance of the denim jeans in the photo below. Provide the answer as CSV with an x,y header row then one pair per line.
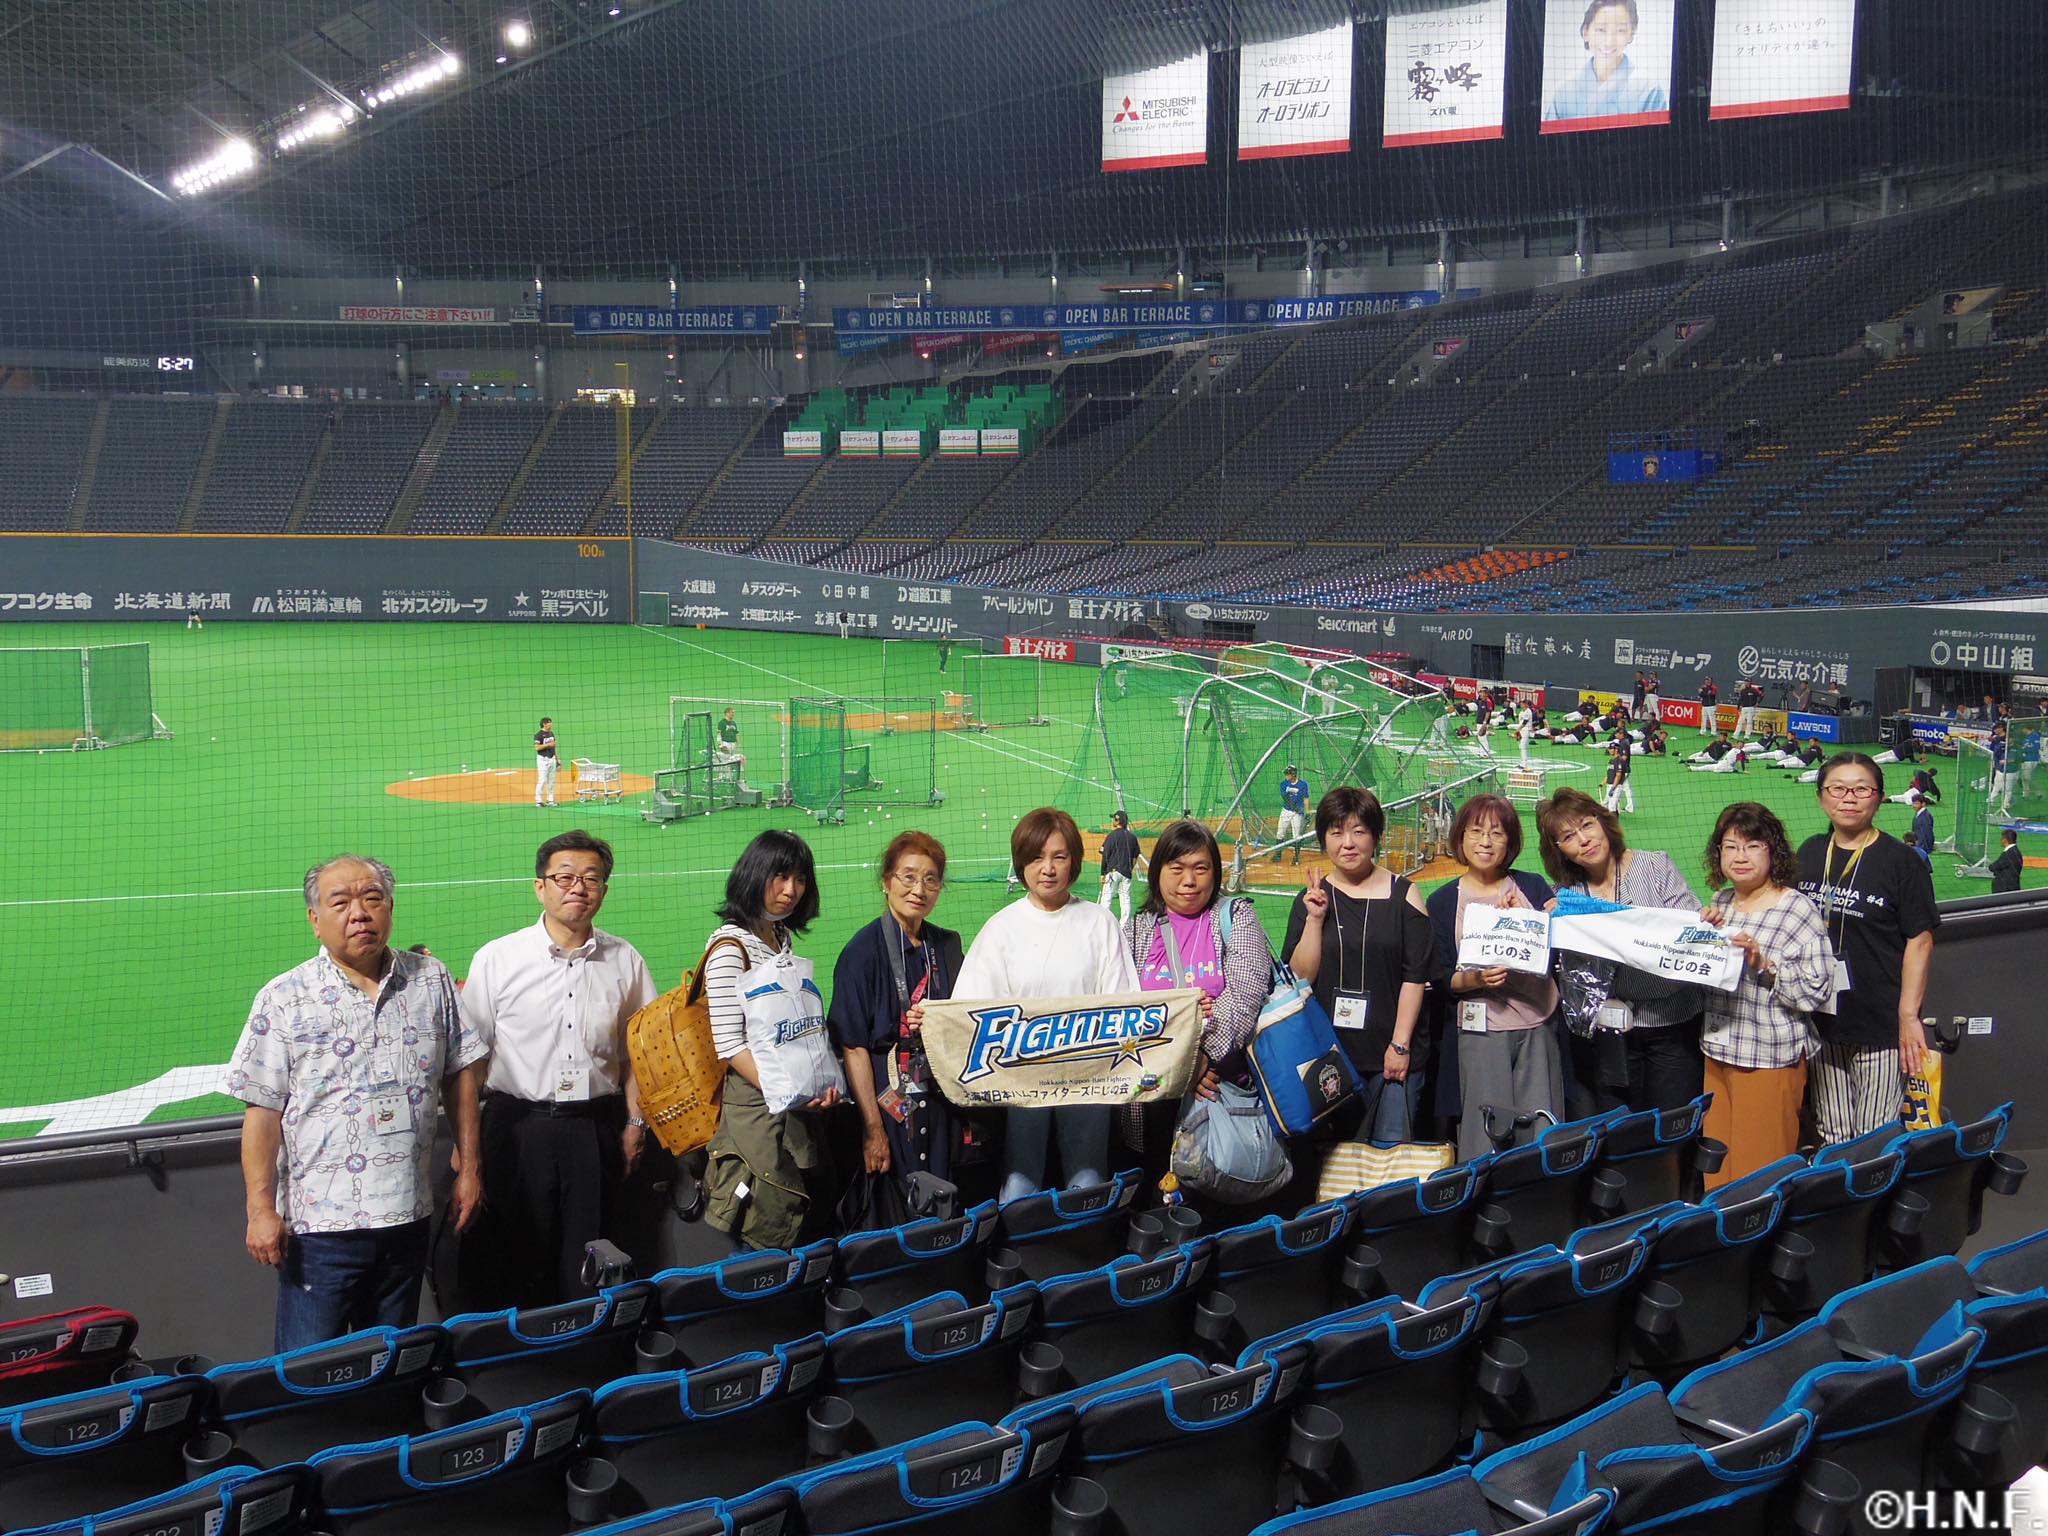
x,y
333,1283
1083,1133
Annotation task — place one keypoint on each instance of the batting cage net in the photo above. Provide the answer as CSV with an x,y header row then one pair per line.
x,y
60,699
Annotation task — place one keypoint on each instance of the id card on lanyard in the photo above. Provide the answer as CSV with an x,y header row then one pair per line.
x,y
1838,929
1352,1009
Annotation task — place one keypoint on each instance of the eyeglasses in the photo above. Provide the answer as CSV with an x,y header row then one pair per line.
x,y
1850,791
570,882
911,882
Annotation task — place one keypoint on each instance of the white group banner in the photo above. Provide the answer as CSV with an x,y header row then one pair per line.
x,y
1606,64
1447,70
1156,118
1772,58
1044,1052
1294,96
1515,937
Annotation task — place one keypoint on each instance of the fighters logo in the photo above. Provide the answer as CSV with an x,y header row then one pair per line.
x,y
1007,1036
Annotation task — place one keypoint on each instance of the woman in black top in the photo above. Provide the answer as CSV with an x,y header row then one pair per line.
x,y
1360,938
879,986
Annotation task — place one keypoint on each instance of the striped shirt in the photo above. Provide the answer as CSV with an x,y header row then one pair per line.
x,y
1757,1026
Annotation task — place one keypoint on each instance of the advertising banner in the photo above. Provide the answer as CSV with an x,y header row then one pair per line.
x,y
1039,646
1012,340
1515,937
696,320
902,443
803,443
1447,68
1679,712
1042,1052
999,442
1771,58
850,344
860,443
1154,119
1294,96
1606,64
1815,728
418,314
959,442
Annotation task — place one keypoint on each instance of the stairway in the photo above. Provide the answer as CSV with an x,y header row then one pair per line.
x,y
533,453
200,475
89,472
423,467
616,493
304,499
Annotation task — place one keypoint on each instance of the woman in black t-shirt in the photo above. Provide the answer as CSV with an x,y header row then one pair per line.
x,y
1878,900
1360,938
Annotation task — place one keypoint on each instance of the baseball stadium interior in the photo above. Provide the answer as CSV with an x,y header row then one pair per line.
x,y
750,433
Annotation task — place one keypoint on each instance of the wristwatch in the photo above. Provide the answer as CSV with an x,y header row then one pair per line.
x,y
636,1121
1397,1048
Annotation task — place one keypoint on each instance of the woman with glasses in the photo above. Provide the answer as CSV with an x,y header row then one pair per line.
x,y
1759,1037
1646,1055
1878,900
767,1163
880,985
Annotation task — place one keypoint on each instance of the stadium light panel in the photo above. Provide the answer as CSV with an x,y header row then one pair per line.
x,y
518,34
237,157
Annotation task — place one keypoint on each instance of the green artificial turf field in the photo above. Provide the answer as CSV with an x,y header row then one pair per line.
x,y
156,885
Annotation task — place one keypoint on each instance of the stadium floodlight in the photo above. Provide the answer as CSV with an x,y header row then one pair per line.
x,y
430,71
518,35
237,157
316,125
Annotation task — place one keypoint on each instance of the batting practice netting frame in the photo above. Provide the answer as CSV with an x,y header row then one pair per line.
x,y
849,754
915,669
1975,807
1003,691
716,765
72,698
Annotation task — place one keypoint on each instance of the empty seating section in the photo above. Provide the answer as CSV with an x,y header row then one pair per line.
x,y
374,449
42,443
1564,1319
1347,463
265,451
147,460
485,447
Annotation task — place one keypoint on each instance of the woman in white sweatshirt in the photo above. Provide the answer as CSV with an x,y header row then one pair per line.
x,y
1050,944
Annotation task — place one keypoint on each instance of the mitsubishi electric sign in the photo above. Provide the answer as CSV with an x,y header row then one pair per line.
x,y
1156,118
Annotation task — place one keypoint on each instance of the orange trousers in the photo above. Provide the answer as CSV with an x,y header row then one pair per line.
x,y
1755,1113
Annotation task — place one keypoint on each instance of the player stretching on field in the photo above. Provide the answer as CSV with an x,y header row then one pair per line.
x,y
1293,810
545,763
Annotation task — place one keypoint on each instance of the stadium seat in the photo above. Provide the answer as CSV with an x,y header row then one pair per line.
x,y
1064,1231
1449,1504
2013,1284
767,1511
1157,1438
1281,1271
898,1265
1570,1312
1633,1446
1399,1379
1414,1229
1950,1167
235,1501
1659,1153
969,1479
63,1352
1542,1191
504,1472
366,1385
1109,1320
713,1431
66,1456
936,1362
1831,1208
750,1301
507,1358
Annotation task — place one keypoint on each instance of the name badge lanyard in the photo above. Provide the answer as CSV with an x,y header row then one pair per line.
x,y
1353,1009
1840,933
913,1068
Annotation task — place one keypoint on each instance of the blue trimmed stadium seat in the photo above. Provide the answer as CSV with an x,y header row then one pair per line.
x,y
1416,1229
1951,1167
2012,1283
1279,1271
749,1301
236,1501
936,1362
513,1357
63,1352
1832,1206
1399,1379
899,1265
1567,1311
1181,1446
61,1457
1449,1504
970,1479
1662,1480
1065,1231
363,1386
710,1432
764,1512
1541,1192
500,1473
1130,1311
1659,1153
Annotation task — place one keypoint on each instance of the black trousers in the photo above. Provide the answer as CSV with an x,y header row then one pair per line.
x,y
550,1185
1655,1068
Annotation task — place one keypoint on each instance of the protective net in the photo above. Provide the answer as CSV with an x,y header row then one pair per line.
x,y
56,699
1974,806
1003,690
854,756
935,669
2022,798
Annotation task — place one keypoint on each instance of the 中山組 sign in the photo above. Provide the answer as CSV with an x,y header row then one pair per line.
x,y
1131,1048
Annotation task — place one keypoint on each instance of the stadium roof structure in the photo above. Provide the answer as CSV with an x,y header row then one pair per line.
x,y
730,137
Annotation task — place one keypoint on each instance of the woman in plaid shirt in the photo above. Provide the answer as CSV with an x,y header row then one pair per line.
x,y
1757,1039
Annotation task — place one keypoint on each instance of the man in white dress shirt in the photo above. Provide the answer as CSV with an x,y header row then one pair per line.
x,y
342,1065
561,1112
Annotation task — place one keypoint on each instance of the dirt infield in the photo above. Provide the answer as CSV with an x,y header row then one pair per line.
x,y
498,786
1260,868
